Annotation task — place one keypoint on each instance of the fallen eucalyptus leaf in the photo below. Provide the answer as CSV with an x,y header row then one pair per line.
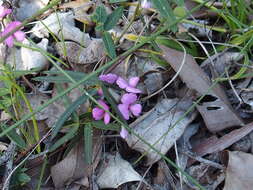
x,y
115,171
80,55
217,112
239,171
158,124
73,166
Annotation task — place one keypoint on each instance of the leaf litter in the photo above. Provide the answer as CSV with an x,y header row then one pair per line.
x,y
189,105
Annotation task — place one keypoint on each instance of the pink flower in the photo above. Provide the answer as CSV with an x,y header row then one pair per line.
x,y
4,11
98,113
123,133
145,4
129,86
109,78
128,106
100,92
19,35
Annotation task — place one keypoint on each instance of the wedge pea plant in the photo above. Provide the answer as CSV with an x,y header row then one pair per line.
x,y
104,113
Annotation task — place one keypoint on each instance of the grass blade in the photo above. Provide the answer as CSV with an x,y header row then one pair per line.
x,y
88,134
71,133
67,114
13,136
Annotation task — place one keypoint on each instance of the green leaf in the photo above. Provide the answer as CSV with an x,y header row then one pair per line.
x,y
71,133
113,18
100,15
69,110
109,45
117,1
165,10
61,78
101,125
88,134
13,136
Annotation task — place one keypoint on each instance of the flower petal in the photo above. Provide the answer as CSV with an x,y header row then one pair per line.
x,y
19,35
103,104
128,98
4,11
146,4
133,90
122,83
123,108
9,41
133,81
110,78
97,113
123,133
100,92
136,109
107,118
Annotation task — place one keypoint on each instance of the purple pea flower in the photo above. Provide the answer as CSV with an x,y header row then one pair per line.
x,y
98,113
128,106
123,133
19,35
129,86
4,11
109,78
146,4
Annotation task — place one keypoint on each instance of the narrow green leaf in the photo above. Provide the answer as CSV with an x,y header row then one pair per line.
x,y
117,1
101,125
165,10
113,18
71,133
69,110
13,136
60,78
88,134
109,45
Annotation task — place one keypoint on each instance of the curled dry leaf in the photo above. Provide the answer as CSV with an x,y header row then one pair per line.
x,y
63,26
158,124
29,7
221,61
80,55
73,166
27,59
239,173
115,171
217,111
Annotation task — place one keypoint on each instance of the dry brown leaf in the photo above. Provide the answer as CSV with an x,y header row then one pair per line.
x,y
115,171
216,112
157,124
239,172
73,166
79,55
214,144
